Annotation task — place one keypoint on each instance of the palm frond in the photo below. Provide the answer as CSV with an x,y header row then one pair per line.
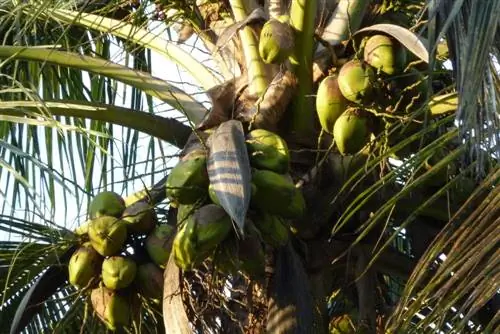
x,y
469,275
470,28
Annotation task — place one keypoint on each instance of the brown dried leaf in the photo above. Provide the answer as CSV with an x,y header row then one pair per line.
x,y
268,111
223,97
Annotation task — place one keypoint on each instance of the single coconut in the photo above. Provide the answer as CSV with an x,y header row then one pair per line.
x,y
276,41
106,203
351,131
159,244
140,217
274,192
184,246
188,180
251,253
330,103
111,307
272,228
267,150
356,80
107,235
118,272
84,266
213,225
385,54
149,281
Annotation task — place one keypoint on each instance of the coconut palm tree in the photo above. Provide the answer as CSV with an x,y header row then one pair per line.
x,y
392,148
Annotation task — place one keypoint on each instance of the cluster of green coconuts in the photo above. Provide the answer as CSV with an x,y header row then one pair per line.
x,y
378,80
205,230
102,266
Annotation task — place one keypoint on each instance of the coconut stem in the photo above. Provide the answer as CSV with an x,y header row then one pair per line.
x,y
302,19
257,79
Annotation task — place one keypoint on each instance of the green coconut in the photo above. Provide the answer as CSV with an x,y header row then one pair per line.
x,y
212,195
111,307
149,281
385,54
184,246
106,203
83,229
275,193
118,272
251,253
140,217
267,150
273,229
107,235
188,181
84,266
356,80
276,42
351,131
330,103
159,244
185,210
213,225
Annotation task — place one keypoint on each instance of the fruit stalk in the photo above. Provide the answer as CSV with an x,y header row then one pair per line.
x,y
257,79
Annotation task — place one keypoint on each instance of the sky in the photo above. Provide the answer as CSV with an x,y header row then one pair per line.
x,y
74,213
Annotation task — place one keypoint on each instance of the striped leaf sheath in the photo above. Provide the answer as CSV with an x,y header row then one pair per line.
x,y
229,171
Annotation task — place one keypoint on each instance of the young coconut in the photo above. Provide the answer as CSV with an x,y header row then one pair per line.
x,y
118,272
140,217
188,180
251,253
84,266
276,41
184,246
149,281
385,54
111,307
273,229
83,229
330,103
275,194
356,80
159,244
267,150
106,203
351,131
212,226
107,235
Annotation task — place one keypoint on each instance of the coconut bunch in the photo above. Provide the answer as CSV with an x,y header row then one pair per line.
x,y
352,101
251,170
103,267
